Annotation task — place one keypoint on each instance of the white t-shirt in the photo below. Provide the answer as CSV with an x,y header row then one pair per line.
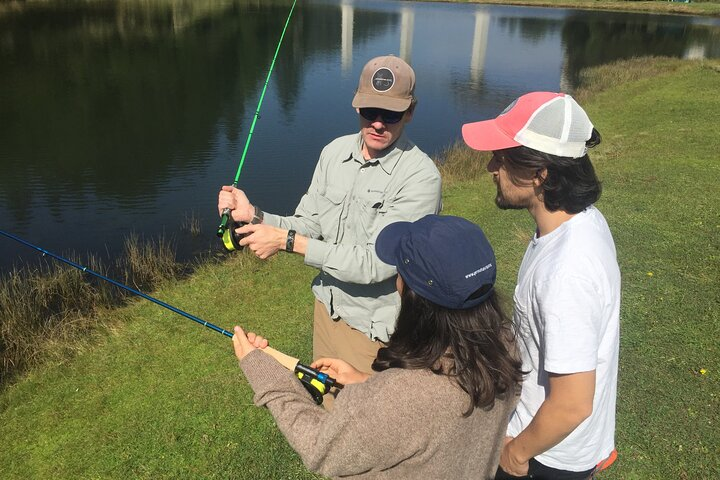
x,y
567,312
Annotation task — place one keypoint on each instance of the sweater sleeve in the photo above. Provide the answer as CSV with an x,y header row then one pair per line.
x,y
351,439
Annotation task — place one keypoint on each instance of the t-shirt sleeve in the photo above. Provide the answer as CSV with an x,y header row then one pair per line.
x,y
570,309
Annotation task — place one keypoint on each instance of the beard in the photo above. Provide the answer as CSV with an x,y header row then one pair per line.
x,y
505,204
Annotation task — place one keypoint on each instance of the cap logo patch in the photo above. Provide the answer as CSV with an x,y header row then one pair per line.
x,y
383,79
479,270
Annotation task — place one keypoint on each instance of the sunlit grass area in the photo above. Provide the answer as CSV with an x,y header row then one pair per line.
x,y
154,395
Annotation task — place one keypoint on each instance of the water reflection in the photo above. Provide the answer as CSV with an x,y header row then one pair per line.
x,y
479,46
590,41
122,115
120,99
531,28
407,21
348,20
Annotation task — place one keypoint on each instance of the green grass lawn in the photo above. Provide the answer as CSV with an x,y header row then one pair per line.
x,y
160,397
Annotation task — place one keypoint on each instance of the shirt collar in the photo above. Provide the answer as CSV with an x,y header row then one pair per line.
x,y
389,157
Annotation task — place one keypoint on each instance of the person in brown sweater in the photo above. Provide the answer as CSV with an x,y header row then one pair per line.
x,y
446,382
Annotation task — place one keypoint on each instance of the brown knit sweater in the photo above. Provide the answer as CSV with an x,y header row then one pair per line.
x,y
399,424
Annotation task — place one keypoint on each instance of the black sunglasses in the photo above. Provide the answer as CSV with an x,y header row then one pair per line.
x,y
386,116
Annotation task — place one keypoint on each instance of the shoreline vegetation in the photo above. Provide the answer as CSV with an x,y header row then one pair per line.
x,y
140,392
50,310
695,7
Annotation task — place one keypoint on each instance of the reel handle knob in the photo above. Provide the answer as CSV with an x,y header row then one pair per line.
x,y
222,228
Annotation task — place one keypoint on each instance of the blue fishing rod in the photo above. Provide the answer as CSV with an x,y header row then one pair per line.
x,y
316,382
229,238
117,284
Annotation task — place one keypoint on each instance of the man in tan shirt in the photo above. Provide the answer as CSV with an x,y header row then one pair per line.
x,y
361,183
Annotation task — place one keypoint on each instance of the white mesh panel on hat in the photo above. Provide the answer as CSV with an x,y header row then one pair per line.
x,y
580,126
560,127
549,120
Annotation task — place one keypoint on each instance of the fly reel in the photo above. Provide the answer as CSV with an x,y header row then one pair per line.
x,y
230,239
315,382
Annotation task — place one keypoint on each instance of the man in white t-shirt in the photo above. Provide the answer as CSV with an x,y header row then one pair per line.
x,y
567,299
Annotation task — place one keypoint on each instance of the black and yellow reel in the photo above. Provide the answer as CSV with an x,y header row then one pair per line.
x,y
230,239
315,382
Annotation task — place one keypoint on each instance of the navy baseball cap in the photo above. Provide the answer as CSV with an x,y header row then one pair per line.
x,y
442,258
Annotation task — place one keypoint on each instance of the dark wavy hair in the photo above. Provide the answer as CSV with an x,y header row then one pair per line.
x,y
479,341
570,184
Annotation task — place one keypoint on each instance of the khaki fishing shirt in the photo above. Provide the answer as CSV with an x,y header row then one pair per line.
x,y
349,201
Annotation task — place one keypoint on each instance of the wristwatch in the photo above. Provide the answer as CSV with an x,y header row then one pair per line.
x,y
257,216
290,242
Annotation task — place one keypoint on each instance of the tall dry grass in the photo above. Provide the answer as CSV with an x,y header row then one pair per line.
x,y
191,224
460,163
598,79
47,311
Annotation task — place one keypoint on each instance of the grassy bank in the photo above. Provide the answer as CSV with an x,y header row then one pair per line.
x,y
161,397
656,6
51,309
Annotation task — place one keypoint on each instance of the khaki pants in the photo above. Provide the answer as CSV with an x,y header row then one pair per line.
x,y
337,339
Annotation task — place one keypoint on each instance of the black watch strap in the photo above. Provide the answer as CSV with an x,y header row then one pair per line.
x,y
290,242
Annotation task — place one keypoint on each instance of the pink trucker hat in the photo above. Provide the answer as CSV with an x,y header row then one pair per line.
x,y
550,122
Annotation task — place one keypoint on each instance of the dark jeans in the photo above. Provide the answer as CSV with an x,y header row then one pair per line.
x,y
538,471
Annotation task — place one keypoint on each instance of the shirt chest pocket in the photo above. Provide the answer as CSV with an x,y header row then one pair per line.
x,y
369,207
330,211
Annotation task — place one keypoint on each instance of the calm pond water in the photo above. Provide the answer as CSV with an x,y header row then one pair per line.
x,y
124,116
